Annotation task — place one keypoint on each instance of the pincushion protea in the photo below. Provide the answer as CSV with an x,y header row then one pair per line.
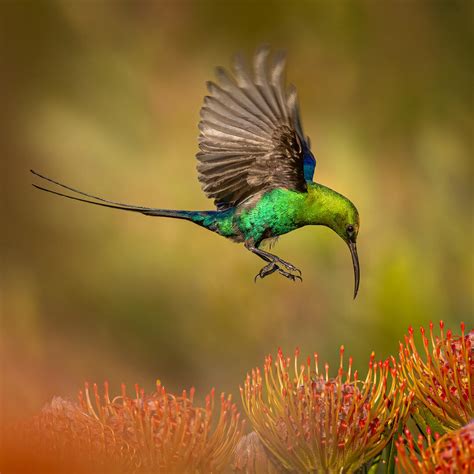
x,y
444,383
451,453
63,438
160,432
312,422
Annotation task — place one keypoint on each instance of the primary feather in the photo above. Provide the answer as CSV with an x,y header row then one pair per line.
x,y
251,139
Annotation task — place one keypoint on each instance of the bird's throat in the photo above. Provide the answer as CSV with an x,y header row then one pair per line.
x,y
323,206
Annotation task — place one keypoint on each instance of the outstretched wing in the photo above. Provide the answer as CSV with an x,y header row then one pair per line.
x,y
251,139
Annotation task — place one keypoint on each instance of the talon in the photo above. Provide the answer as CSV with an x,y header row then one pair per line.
x,y
296,270
288,275
290,267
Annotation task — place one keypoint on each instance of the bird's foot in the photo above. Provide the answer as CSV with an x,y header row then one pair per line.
x,y
273,267
290,276
288,266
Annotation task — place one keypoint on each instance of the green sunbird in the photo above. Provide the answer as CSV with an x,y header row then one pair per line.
x,y
256,163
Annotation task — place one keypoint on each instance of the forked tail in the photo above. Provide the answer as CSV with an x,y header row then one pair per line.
x,y
204,218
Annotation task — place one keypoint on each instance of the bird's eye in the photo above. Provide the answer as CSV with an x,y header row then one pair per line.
x,y
350,229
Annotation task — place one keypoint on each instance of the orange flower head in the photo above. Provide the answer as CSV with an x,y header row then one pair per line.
x,y
159,432
442,380
310,421
451,453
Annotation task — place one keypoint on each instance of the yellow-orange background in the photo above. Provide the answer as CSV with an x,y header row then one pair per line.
x,y
105,96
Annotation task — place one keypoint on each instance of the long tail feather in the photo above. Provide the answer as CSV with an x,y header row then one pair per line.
x,y
82,193
148,211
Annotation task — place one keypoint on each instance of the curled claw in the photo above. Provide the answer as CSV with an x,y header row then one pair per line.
x,y
288,275
296,270
290,267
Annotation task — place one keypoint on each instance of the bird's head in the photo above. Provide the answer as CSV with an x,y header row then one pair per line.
x,y
345,223
335,211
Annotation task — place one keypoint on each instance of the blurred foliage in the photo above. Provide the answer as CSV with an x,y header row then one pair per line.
x,y
105,96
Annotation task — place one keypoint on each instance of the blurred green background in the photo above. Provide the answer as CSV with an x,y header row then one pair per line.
x,y
105,96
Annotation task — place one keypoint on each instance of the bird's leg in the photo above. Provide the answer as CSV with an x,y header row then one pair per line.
x,y
268,269
274,264
269,257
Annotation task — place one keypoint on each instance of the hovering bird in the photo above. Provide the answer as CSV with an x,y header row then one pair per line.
x,y
256,163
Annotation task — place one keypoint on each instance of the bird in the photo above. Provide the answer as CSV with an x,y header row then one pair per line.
x,y
255,162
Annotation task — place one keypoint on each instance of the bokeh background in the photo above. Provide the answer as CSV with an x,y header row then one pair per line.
x,y
105,96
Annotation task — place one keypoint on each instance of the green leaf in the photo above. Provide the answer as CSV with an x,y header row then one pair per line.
x,y
424,419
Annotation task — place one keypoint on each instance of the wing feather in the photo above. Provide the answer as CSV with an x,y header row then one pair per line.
x,y
226,100
251,139
277,81
215,113
222,131
262,82
242,99
249,88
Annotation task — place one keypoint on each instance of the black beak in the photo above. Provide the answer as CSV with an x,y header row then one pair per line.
x,y
355,263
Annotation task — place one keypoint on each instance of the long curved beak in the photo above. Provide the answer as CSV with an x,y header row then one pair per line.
x,y
355,263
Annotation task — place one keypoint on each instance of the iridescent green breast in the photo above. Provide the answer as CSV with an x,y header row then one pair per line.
x,y
275,213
